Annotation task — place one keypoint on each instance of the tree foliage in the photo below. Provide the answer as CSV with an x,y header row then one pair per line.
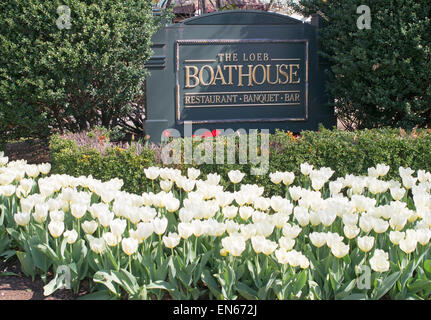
x,y
379,76
57,78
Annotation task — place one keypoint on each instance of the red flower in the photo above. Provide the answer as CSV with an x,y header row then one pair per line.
x,y
166,133
207,134
216,132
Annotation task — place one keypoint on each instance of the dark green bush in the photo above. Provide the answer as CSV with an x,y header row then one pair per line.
x,y
71,78
379,76
345,152
128,162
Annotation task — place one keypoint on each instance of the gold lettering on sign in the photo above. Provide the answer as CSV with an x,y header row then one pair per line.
x,y
264,74
268,73
246,75
249,75
194,76
294,73
230,72
284,73
211,72
219,76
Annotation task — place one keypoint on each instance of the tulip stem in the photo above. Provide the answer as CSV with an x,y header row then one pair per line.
x,y
130,264
119,258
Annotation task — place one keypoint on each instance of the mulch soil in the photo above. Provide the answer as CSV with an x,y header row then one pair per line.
x,y
20,287
34,151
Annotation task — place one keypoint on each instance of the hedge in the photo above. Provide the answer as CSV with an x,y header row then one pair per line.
x,y
345,152
378,76
72,64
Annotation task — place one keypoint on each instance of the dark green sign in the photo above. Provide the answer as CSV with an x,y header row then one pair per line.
x,y
236,69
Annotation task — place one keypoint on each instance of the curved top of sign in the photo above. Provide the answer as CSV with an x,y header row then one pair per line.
x,y
241,17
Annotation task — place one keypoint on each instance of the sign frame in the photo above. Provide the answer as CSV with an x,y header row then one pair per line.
x,y
178,43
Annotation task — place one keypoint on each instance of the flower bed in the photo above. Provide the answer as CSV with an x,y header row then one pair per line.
x,y
354,237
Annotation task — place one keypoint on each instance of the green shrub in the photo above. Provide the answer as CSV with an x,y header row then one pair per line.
x,y
379,76
127,162
345,152
71,78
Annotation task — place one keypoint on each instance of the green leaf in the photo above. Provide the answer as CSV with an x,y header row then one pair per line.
x,y
386,285
427,265
419,285
127,281
40,259
63,248
346,290
48,251
301,281
3,213
211,283
356,296
14,234
8,254
98,295
50,287
8,274
27,265
247,292
106,279
161,285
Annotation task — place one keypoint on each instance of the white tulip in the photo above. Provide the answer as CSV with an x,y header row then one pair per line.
x,y
365,243
258,243
111,239
57,215
97,245
286,243
40,212
89,226
318,239
118,226
185,230
235,176
339,249
276,177
193,173
288,178
171,240
245,212
56,228
234,244
160,225
380,261
408,245
71,236
306,169
397,193
230,212
152,173
105,218
22,218
78,210
144,230
129,246
290,231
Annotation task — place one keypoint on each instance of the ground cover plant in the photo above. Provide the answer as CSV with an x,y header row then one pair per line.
x,y
195,240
